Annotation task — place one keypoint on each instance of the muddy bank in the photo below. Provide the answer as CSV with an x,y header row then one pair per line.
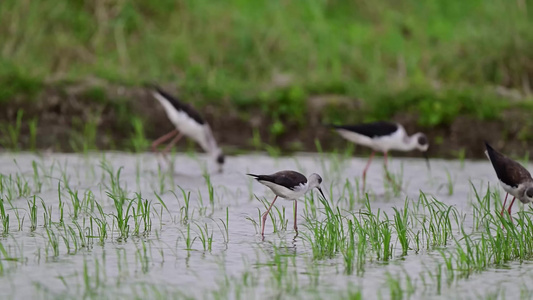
x,y
102,116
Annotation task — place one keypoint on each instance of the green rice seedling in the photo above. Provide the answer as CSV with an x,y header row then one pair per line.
x,y
161,180
210,189
394,180
23,186
349,251
47,214
13,133
141,216
189,240
361,250
283,222
32,126
254,222
89,132
225,226
184,210
32,208
4,218
347,188
327,238
205,237
17,215
437,227
461,155
53,241
310,207
75,201
401,225
101,222
378,231
122,214
37,184
88,203
450,182
138,139
481,209
114,178
61,204
81,233
163,206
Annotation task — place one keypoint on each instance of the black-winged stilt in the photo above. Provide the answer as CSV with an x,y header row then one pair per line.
x,y
289,185
514,178
383,136
188,122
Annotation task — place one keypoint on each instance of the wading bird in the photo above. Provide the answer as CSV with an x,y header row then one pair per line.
x,y
289,185
514,178
382,137
188,122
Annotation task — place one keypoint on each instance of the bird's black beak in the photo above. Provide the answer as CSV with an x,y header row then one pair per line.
x,y
320,190
427,159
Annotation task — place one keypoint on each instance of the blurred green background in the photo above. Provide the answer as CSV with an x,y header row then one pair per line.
x,y
435,59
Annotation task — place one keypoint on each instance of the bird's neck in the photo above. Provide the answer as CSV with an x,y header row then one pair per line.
x,y
410,143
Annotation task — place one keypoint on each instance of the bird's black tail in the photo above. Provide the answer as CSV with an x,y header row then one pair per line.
x,y
490,150
492,154
260,177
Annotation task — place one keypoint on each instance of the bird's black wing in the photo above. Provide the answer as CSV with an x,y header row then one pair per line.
x,y
375,129
189,110
288,179
508,171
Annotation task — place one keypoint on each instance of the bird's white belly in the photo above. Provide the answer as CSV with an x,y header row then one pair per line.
x,y
382,144
509,189
284,192
186,125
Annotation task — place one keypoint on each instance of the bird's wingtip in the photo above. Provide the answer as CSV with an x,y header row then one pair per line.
x,y
488,146
153,87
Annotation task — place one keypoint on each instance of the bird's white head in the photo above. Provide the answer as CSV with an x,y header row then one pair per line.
x,y
314,182
218,155
528,195
421,141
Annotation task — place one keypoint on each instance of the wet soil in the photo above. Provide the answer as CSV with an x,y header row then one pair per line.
x,y
63,110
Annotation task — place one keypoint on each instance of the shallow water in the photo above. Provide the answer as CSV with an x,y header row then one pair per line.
x,y
159,263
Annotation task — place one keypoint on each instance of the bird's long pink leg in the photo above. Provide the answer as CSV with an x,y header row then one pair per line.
x,y
265,217
510,206
163,139
295,215
504,202
172,143
366,169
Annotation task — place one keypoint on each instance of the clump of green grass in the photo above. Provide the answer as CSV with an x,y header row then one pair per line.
x,y
395,57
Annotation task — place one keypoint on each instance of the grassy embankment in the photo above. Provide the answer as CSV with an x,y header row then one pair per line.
x,y
437,59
